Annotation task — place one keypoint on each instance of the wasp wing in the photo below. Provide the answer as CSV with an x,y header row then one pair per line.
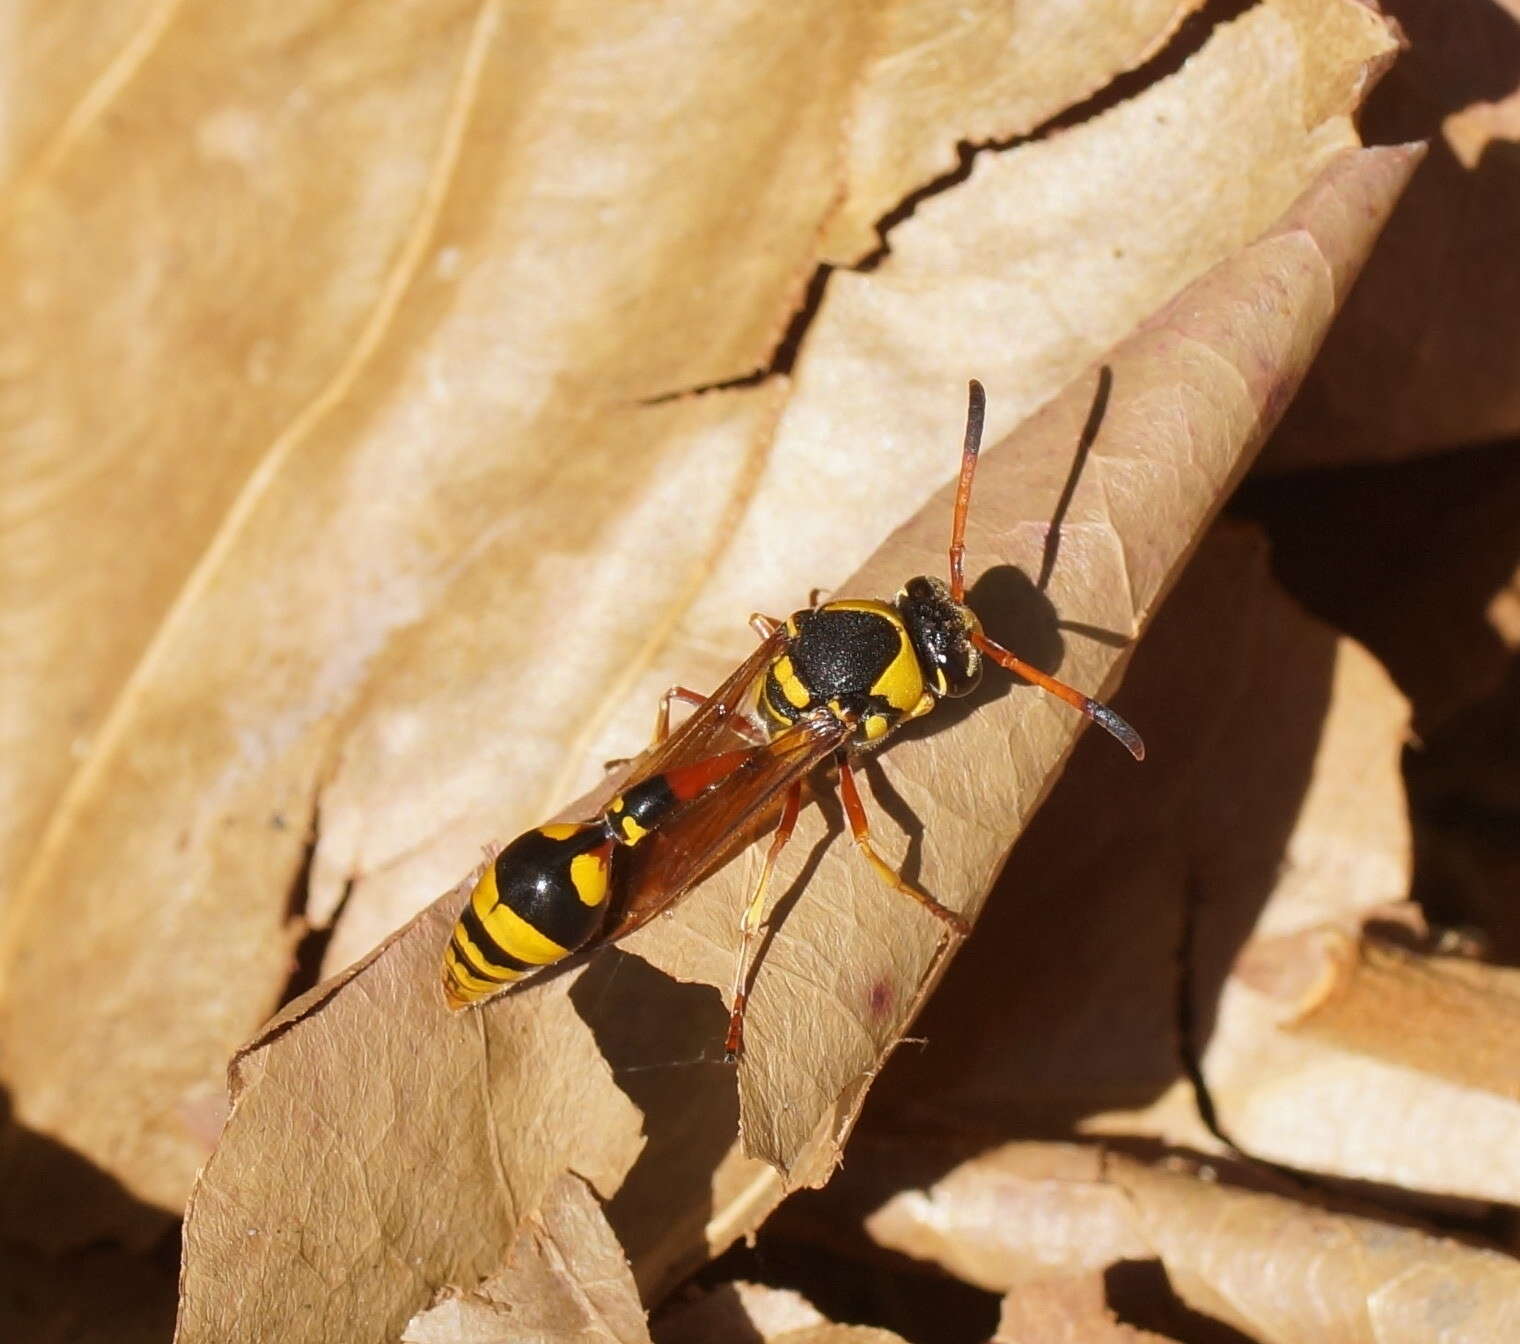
x,y
720,723
718,823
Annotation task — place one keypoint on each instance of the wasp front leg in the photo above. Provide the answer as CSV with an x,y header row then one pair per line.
x,y
860,828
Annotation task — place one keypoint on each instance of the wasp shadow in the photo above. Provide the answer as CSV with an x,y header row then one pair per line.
x,y
1016,612
69,1233
663,1041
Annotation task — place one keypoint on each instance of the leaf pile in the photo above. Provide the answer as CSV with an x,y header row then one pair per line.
x,y
398,403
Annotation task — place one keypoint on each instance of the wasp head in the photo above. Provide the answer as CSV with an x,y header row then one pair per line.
x,y
941,629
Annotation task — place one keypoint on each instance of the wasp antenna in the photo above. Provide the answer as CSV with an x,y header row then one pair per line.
x,y
1096,710
976,412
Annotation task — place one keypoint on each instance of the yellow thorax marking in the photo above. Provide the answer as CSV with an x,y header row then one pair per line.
x,y
901,683
797,695
559,830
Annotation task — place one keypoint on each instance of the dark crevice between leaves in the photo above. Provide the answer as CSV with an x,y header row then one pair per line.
x,y
1189,1048
1475,1222
1191,36
306,969
1186,42
858,1284
1140,1293
783,359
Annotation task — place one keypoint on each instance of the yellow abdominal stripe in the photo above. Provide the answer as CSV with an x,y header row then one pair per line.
x,y
509,930
627,828
588,872
459,974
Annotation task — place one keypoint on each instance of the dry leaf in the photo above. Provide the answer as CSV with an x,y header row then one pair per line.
x,y
1114,920
564,1277
807,1055
363,473
402,568
1449,1017
1103,989
839,1334
1276,1270
944,76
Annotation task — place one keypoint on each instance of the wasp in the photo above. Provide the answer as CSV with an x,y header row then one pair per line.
x,y
829,683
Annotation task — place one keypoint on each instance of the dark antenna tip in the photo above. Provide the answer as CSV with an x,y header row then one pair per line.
x,y
976,414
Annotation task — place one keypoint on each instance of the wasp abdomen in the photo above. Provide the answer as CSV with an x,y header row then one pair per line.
x,y
638,810
545,895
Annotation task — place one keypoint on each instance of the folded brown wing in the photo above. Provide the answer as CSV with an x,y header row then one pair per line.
x,y
722,821
718,724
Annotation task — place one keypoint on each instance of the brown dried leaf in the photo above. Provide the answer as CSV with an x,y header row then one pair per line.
x,y
839,1334
1276,1270
368,291
1273,805
564,1277
230,285
941,76
1198,379
1118,909
364,618
64,59
1180,395
1449,1017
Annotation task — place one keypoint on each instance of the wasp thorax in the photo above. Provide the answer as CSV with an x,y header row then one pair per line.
x,y
941,630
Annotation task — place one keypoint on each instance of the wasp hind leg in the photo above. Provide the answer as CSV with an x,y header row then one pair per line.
x,y
749,922
661,722
686,696
860,828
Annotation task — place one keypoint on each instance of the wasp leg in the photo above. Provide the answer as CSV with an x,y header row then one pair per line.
x,y
749,923
763,625
662,715
661,723
814,594
861,829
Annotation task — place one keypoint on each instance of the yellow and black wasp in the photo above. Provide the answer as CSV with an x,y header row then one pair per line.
x,y
831,681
